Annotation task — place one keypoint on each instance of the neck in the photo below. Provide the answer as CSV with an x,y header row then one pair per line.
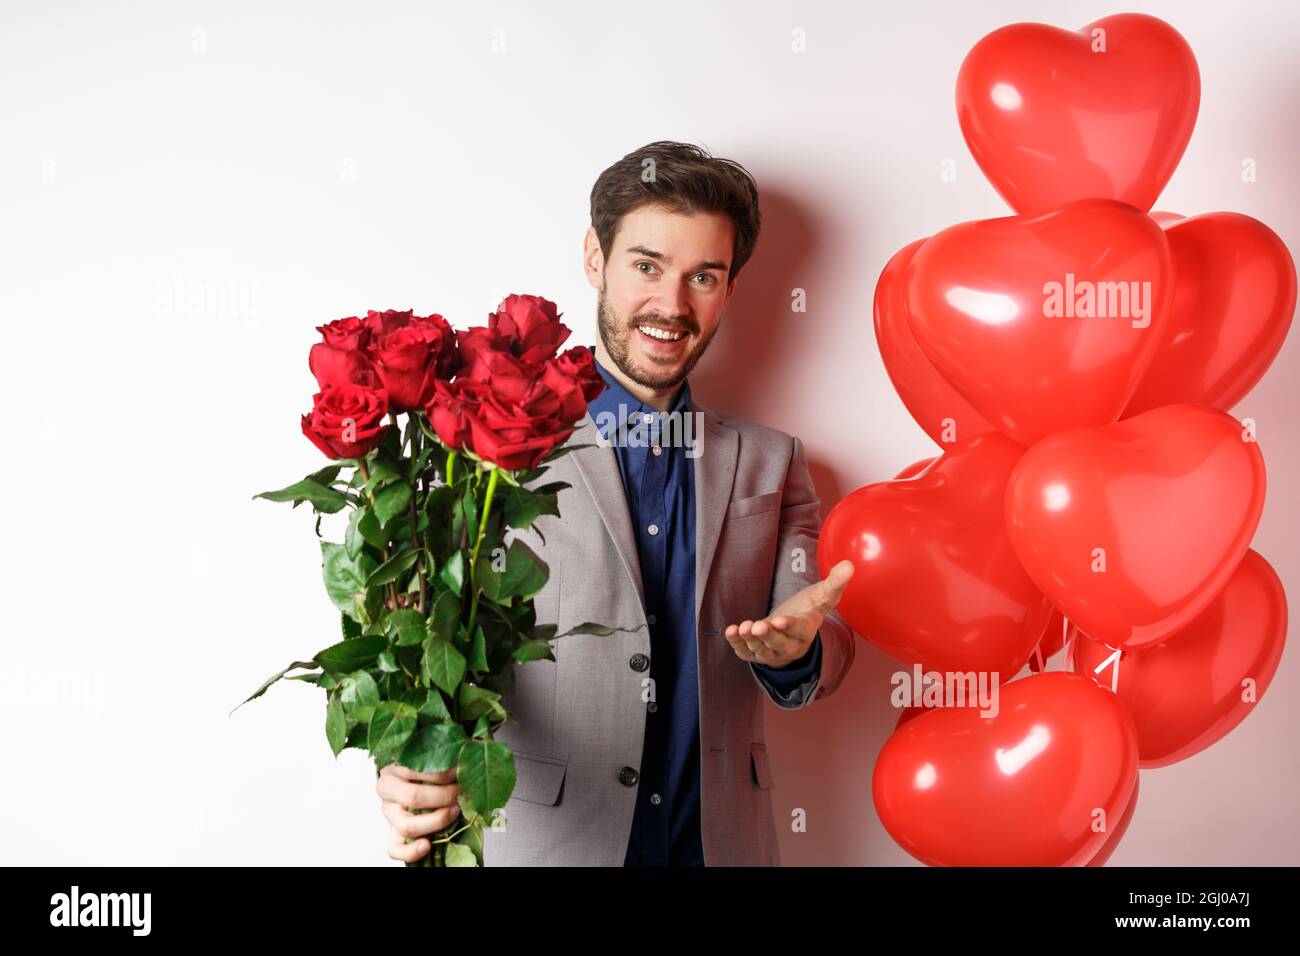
x,y
660,399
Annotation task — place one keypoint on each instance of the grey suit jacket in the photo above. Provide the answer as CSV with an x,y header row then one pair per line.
x,y
580,719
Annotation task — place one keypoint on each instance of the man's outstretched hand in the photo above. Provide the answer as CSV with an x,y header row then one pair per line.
x,y
787,633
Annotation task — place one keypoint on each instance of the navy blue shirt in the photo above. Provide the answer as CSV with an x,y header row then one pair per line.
x,y
659,481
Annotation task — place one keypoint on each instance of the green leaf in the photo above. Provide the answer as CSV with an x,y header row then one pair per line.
x,y
392,501
368,528
382,473
485,772
326,474
353,540
459,855
390,728
345,578
433,748
443,665
452,573
472,838
352,654
393,568
589,627
429,703
336,725
444,615
350,627
476,702
387,663
478,651
271,680
469,507
410,626
420,461
359,695
322,497
533,651
525,574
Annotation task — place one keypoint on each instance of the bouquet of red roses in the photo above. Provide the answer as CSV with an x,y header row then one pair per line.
x,y
436,600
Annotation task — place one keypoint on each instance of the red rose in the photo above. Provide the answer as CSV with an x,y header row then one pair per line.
x,y
574,372
379,324
532,326
508,376
340,357
410,358
346,420
525,327
518,434
446,411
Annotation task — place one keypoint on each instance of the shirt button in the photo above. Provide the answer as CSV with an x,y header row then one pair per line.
x,y
657,450
648,418
627,776
650,619
656,799
653,529
652,706
638,662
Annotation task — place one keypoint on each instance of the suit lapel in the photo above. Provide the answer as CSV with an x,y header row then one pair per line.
x,y
599,469
715,471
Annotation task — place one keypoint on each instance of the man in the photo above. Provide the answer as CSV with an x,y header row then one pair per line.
x,y
693,530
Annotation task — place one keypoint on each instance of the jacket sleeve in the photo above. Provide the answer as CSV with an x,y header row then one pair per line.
x,y
796,569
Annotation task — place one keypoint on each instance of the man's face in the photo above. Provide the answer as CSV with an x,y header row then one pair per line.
x,y
663,289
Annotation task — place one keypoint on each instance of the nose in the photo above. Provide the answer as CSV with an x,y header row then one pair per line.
x,y
670,304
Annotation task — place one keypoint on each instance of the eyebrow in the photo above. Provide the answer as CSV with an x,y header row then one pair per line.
x,y
707,265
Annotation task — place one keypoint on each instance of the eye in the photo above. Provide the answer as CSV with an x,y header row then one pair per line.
x,y
648,265
708,279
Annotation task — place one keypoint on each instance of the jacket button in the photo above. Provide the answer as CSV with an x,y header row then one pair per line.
x,y
627,776
638,662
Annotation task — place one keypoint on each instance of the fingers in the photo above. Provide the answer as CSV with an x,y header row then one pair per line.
x,y
760,642
833,585
406,773
419,824
414,795
399,849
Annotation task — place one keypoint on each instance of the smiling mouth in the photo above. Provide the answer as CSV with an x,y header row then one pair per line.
x,y
661,334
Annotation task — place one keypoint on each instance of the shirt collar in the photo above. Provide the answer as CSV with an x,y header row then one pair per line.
x,y
615,404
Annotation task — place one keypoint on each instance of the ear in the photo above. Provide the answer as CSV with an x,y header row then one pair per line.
x,y
593,260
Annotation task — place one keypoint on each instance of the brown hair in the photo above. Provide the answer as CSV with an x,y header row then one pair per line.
x,y
684,178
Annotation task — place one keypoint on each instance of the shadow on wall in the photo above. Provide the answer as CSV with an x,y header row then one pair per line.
x,y
759,333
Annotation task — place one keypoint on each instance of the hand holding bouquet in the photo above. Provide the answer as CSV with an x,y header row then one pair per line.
x,y
435,596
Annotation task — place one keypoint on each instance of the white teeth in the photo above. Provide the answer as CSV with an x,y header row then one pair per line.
x,y
661,333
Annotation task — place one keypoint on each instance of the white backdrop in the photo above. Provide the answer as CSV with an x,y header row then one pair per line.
x,y
187,189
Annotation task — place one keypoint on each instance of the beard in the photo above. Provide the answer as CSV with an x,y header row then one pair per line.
x,y
616,334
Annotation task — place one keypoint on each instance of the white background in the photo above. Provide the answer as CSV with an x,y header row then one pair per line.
x,y
187,189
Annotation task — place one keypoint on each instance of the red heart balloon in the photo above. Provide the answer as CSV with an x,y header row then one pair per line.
x,y
1044,782
1186,693
915,468
1234,296
935,405
1117,832
1054,115
935,580
1132,528
1043,322
1053,640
